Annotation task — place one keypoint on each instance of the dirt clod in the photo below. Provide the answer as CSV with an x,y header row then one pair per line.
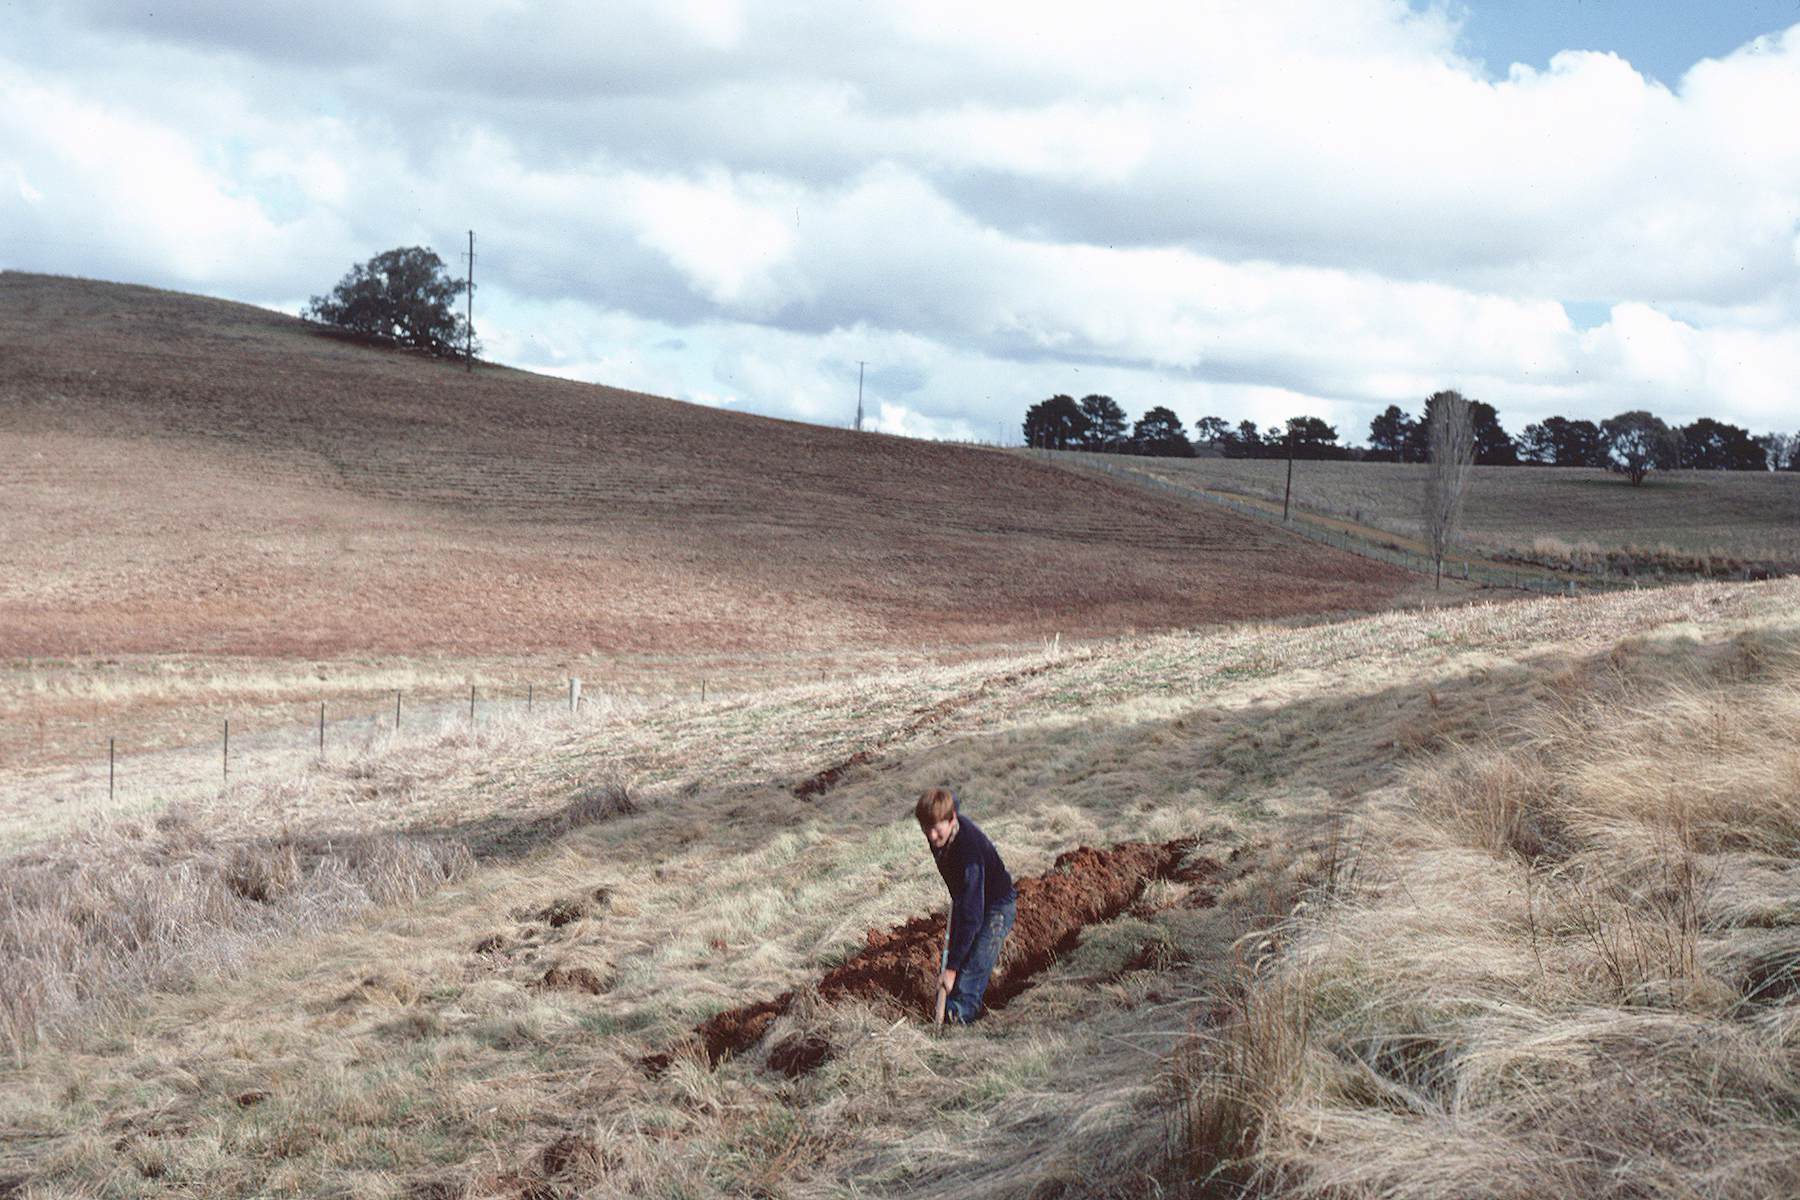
x,y
572,1157
801,1055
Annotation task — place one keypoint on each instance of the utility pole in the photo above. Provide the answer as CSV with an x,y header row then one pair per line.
x,y
859,378
1289,494
469,321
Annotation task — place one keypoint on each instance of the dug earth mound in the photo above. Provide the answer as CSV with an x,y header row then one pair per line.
x,y
896,971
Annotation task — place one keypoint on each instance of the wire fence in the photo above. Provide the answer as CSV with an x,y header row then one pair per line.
x,y
139,770
138,762
1379,548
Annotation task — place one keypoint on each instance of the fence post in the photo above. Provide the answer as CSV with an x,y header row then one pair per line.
x,y
321,727
109,768
225,755
574,696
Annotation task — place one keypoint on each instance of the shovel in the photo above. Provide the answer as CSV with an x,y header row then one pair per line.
x,y
943,993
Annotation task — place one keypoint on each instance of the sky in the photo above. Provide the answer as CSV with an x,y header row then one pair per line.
x,y
948,211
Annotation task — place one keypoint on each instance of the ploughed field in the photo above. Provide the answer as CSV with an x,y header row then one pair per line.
x,y
187,479
190,476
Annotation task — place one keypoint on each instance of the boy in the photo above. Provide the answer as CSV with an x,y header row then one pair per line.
x,y
981,902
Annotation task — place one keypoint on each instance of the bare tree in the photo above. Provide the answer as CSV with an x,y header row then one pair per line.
x,y
1450,436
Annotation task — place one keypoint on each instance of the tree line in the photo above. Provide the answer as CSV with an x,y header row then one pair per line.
x,y
1632,443
1097,423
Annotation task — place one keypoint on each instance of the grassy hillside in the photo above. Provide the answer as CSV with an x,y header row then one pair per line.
x,y
210,478
195,494
1715,523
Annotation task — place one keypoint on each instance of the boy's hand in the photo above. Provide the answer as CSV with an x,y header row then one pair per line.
x,y
947,981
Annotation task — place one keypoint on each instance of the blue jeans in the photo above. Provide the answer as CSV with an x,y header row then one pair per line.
x,y
964,1002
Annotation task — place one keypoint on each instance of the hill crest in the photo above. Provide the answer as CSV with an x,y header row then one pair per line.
x,y
198,476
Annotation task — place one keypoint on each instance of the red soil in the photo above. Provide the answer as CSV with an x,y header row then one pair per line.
x,y
897,969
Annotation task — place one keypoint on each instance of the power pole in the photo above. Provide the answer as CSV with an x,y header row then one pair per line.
x,y
469,321
859,378
1289,494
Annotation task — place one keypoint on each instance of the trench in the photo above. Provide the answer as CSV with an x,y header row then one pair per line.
x,y
896,970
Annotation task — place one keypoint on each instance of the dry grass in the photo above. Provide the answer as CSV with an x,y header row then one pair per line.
x,y
480,1033
1498,917
1567,966
1711,522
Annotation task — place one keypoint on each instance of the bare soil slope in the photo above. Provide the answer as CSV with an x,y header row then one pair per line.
x,y
188,476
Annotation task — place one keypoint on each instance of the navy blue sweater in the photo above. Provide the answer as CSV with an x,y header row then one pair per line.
x,y
976,877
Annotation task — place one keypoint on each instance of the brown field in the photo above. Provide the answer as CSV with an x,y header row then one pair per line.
x,y
1459,899
191,489
1709,523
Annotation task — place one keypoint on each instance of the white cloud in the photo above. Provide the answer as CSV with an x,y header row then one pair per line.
x,y
719,23
725,235
114,177
1251,208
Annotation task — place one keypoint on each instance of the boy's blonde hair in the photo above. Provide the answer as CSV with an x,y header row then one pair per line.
x,y
936,805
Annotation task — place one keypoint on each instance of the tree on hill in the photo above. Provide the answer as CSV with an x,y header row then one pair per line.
x,y
1781,451
1560,442
1245,441
1310,437
1106,431
405,296
1212,430
1161,434
1637,442
1709,445
1493,448
1393,436
1055,424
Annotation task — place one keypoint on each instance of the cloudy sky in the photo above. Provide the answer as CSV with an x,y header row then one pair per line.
x,y
1253,209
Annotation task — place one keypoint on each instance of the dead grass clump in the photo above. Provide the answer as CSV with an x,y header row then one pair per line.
x,y
1501,803
1762,967
1583,555
599,800
115,913
1572,970
1226,1088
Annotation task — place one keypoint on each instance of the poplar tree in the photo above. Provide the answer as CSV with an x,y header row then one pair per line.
x,y
1450,438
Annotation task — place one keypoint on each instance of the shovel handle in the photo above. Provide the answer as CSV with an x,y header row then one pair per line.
x,y
943,993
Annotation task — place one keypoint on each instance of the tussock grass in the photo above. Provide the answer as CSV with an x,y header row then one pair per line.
x,y
1425,964
1564,968
91,922
128,904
